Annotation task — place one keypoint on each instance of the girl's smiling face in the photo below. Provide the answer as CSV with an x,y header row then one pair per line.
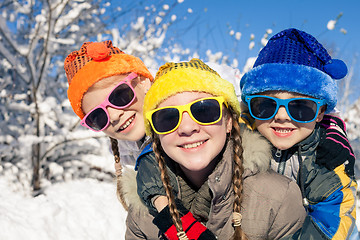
x,y
194,146
281,130
127,123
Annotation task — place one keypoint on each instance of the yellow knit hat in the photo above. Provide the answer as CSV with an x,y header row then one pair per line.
x,y
93,62
173,78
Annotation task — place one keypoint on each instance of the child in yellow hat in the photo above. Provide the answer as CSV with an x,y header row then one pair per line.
x,y
106,90
212,172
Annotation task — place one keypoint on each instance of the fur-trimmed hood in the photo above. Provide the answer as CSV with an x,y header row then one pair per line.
x,y
257,151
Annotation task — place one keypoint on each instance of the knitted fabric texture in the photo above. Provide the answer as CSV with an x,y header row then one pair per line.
x,y
173,78
295,61
93,62
197,201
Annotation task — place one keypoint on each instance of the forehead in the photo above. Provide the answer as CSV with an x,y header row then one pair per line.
x,y
183,98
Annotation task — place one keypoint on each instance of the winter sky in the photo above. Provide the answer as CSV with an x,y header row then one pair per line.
x,y
256,16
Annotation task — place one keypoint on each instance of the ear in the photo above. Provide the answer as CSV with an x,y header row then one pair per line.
x,y
145,83
229,123
321,114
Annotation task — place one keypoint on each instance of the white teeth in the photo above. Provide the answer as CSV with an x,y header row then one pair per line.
x,y
192,145
127,123
283,130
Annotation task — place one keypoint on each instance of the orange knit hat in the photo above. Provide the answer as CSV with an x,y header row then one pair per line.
x,y
93,62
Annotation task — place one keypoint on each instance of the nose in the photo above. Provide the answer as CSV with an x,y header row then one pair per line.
x,y
114,114
187,126
282,114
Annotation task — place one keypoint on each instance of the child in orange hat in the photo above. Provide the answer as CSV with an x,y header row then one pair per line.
x,y
106,90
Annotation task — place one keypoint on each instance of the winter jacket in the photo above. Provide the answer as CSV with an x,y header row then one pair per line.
x,y
130,150
271,205
328,195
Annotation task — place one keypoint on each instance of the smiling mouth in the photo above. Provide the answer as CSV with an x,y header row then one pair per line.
x,y
283,130
192,145
127,123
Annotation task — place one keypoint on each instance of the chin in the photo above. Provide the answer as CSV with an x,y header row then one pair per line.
x,y
283,146
128,137
196,167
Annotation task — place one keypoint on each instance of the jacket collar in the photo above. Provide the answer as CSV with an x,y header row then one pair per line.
x,y
257,151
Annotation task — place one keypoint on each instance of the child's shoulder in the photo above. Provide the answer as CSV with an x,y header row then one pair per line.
x,y
146,164
275,188
270,181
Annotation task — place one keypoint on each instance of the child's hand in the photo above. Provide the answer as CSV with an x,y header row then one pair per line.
x,y
193,228
334,148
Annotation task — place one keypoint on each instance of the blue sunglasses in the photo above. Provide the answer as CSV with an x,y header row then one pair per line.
x,y
301,110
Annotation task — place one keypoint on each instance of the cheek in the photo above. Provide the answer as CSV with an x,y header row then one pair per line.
x,y
138,106
165,141
308,126
260,124
140,91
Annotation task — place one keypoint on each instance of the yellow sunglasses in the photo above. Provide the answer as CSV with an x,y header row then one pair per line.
x,y
204,111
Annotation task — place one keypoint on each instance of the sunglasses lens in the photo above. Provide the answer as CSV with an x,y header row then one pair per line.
x,y
262,107
206,111
121,96
97,119
302,110
166,119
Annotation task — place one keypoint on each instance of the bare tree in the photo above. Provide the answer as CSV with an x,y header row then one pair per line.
x,y
36,121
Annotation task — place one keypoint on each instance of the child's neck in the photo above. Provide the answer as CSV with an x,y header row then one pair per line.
x,y
140,142
198,178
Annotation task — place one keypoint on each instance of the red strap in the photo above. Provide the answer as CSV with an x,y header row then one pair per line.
x,y
195,231
171,233
188,221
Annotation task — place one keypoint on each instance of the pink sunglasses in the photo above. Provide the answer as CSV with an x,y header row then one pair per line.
x,y
120,97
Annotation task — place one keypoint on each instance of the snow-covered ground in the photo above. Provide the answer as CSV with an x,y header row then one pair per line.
x,y
83,209
80,209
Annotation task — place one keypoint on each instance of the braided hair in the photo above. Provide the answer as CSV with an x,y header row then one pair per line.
x,y
118,167
237,179
168,189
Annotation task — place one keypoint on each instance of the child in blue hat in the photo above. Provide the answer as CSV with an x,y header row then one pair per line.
x,y
288,93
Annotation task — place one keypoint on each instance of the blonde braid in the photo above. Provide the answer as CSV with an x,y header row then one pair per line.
x,y
169,192
118,167
237,177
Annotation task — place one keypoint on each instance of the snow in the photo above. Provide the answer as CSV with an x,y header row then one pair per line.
x,y
80,209
331,24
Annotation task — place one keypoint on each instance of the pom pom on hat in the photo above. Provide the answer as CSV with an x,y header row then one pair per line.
x,y
98,51
336,69
295,61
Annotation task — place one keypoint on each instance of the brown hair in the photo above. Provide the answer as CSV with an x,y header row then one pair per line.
x,y
237,177
119,191
237,174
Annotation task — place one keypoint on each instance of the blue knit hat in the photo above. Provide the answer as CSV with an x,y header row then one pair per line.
x,y
295,61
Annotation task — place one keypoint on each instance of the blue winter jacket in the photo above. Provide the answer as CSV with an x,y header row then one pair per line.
x,y
329,196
